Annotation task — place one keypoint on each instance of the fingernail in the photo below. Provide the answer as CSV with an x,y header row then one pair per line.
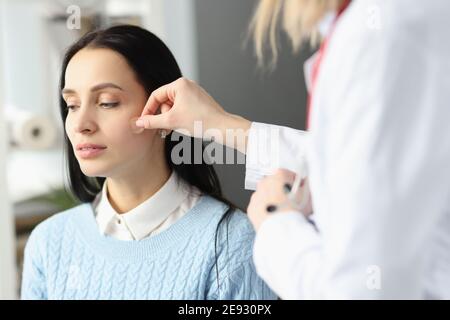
x,y
271,208
135,128
287,188
140,123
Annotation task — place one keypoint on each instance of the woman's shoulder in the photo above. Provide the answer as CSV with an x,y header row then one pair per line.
x,y
55,225
232,229
233,218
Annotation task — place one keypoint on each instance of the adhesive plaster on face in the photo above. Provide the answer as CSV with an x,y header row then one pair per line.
x,y
134,128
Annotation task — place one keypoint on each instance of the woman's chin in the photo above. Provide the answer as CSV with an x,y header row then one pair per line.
x,y
93,172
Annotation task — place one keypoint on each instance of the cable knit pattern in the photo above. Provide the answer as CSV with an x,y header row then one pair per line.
x,y
66,257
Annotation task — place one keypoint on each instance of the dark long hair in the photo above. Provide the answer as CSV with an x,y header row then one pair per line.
x,y
154,66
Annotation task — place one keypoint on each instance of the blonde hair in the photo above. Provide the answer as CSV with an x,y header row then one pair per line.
x,y
299,20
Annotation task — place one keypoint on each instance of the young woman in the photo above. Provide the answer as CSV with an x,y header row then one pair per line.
x,y
147,228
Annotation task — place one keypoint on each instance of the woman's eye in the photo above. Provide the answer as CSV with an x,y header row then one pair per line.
x,y
71,107
109,104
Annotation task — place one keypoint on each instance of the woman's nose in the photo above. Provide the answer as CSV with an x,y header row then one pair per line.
x,y
85,121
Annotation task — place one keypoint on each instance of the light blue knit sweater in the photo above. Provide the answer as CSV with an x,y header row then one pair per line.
x,y
67,257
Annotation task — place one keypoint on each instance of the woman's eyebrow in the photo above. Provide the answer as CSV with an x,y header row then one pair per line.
x,y
105,85
94,88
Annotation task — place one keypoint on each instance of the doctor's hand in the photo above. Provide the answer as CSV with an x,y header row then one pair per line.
x,y
182,103
271,198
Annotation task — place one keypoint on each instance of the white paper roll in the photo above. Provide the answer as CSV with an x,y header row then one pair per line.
x,y
29,130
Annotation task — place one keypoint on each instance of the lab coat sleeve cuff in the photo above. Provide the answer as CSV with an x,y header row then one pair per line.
x,y
270,147
257,164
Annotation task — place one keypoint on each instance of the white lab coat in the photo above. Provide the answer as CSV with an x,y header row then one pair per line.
x,y
379,163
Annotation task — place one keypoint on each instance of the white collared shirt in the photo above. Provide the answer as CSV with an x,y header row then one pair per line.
x,y
378,160
152,216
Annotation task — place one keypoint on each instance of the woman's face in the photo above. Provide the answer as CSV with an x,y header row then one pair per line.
x,y
103,96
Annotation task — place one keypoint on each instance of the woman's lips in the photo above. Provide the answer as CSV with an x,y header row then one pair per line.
x,y
90,152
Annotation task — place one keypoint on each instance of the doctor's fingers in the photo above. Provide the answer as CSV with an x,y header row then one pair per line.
x,y
164,94
167,94
164,120
165,98
284,174
276,185
272,185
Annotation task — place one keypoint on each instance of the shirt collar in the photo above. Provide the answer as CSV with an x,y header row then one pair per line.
x,y
143,219
325,25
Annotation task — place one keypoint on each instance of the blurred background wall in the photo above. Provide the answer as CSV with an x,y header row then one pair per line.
x,y
228,71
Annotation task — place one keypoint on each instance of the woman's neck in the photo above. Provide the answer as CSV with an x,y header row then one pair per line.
x,y
127,192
